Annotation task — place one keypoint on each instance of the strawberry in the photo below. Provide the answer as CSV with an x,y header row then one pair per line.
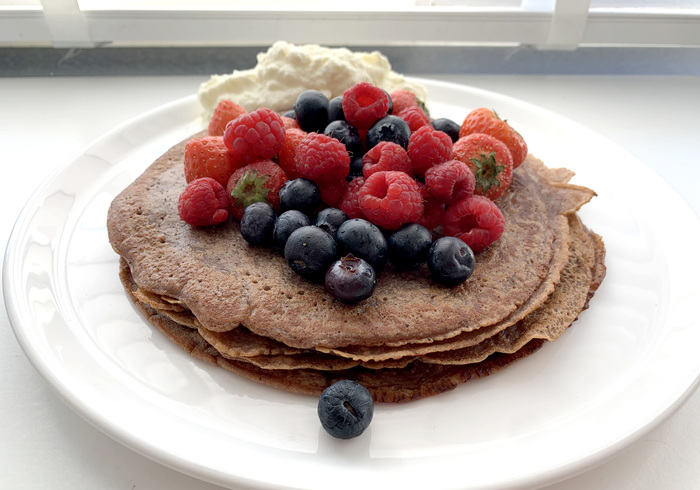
x,y
258,181
209,157
226,110
486,121
489,160
285,157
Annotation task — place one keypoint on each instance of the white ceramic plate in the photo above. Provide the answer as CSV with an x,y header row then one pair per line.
x,y
626,364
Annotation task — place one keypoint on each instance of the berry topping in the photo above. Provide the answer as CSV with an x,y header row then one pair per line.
x,y
386,156
362,239
427,148
450,261
224,112
257,224
309,251
332,192
414,117
286,224
335,109
355,168
486,121
301,194
403,99
477,221
258,135
489,160
390,199
350,280
209,157
292,138
289,123
259,181
408,247
311,111
350,204
389,128
447,126
364,103
322,158
346,134
345,409
433,209
450,182
330,219
204,202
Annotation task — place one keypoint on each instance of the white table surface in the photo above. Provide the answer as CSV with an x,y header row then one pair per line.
x,y
45,122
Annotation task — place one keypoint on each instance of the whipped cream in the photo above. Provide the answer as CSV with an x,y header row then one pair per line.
x,y
286,70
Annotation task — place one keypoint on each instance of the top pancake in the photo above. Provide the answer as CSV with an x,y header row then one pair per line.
x,y
224,282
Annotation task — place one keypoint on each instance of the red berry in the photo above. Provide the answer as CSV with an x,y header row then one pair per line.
x,y
289,123
433,209
363,104
322,159
403,99
489,160
477,221
226,110
258,181
486,121
427,148
209,157
386,156
257,135
292,138
391,199
332,192
350,203
450,182
415,117
204,202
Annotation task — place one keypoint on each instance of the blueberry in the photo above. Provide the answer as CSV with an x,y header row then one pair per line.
x,y
450,261
290,114
286,224
311,110
301,194
409,246
355,168
350,279
335,109
391,103
345,409
389,128
309,251
447,126
330,219
363,239
257,224
344,132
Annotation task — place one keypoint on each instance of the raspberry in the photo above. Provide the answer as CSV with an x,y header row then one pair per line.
x,y
489,160
386,156
350,204
402,100
289,123
332,192
204,202
226,110
322,159
258,181
391,199
450,182
476,220
258,135
433,210
363,104
427,148
415,117
209,157
292,138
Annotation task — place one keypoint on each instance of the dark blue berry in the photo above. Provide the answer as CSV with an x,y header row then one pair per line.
x,y
391,103
344,132
330,219
301,194
363,239
447,126
450,261
309,251
311,110
335,109
350,279
389,128
286,224
257,224
290,114
355,168
409,246
345,409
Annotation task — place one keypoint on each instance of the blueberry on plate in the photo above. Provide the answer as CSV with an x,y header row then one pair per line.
x,y
330,219
345,409
447,126
388,128
301,194
286,224
311,110
355,168
363,239
335,109
409,246
350,280
290,114
450,261
309,251
257,223
346,133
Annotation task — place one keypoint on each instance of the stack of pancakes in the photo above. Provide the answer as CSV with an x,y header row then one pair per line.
x,y
244,309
